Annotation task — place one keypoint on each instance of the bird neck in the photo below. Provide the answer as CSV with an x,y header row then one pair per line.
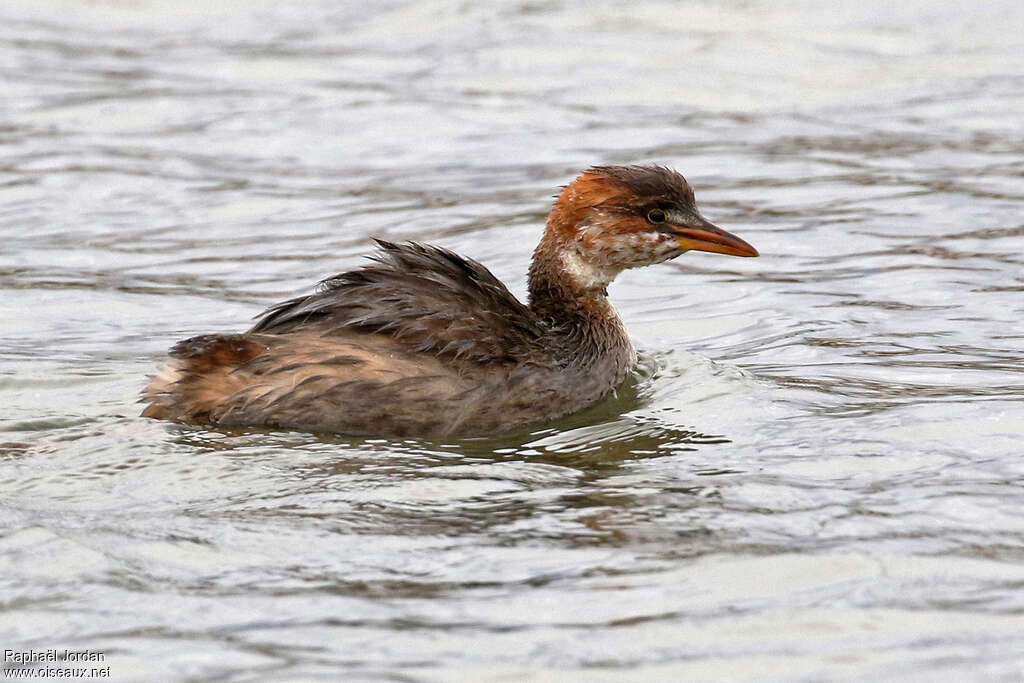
x,y
571,298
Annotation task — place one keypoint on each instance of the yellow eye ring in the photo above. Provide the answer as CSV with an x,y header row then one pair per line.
x,y
656,216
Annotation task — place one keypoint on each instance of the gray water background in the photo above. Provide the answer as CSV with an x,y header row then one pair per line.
x,y
817,475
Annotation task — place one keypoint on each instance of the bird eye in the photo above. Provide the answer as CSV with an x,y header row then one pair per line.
x,y
656,216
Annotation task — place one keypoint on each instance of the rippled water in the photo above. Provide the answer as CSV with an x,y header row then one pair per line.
x,y
816,475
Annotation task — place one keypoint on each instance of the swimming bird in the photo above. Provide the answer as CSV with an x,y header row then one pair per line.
x,y
422,342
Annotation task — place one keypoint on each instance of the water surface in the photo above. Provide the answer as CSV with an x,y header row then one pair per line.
x,y
816,474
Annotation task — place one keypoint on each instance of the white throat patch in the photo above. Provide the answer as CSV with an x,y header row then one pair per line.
x,y
585,275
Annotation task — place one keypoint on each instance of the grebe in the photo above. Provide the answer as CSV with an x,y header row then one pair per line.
x,y
425,343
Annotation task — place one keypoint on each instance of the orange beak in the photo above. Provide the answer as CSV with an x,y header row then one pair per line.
x,y
710,237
